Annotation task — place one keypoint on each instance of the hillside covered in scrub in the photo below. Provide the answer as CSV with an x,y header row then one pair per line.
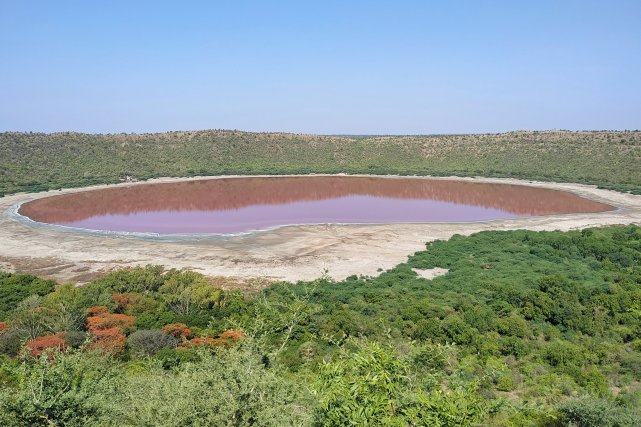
x,y
38,161
526,329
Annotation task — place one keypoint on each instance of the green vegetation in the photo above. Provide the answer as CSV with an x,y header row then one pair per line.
x,y
526,329
37,162
15,288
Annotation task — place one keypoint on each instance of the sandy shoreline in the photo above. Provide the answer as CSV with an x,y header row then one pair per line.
x,y
288,253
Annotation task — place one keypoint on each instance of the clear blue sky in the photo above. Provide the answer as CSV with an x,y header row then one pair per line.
x,y
331,67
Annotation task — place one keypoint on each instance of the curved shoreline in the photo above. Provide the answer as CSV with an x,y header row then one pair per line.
x,y
290,252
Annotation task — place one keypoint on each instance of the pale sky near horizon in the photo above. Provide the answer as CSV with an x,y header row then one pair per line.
x,y
328,67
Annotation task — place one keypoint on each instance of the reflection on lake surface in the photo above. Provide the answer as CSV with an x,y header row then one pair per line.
x,y
236,205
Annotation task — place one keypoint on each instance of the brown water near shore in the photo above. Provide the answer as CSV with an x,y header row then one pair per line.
x,y
242,204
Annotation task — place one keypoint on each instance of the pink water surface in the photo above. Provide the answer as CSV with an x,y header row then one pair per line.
x,y
244,204
343,210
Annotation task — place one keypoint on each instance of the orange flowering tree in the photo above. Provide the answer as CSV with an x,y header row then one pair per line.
x,y
122,322
109,340
47,342
109,329
178,330
225,339
232,335
124,301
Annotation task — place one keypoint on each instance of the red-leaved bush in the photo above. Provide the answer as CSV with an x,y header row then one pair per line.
x,y
178,330
46,342
109,329
233,335
122,322
124,301
109,340
202,342
227,338
3,326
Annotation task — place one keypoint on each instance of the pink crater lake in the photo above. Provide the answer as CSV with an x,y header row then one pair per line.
x,y
237,205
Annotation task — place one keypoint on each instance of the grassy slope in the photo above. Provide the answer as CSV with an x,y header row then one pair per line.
x,y
36,161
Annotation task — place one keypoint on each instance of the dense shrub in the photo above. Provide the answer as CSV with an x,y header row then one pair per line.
x,y
14,288
171,358
598,412
561,353
66,390
76,339
150,342
370,387
227,388
10,342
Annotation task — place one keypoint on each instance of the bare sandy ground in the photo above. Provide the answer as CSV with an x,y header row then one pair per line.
x,y
290,253
430,273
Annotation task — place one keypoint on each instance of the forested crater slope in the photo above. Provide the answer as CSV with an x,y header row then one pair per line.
x,y
39,161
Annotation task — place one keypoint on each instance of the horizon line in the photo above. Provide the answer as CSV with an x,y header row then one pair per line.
x,y
344,135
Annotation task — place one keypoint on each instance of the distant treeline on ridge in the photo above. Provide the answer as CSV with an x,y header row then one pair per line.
x,y
39,162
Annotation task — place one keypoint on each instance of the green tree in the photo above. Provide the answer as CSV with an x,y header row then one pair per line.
x,y
65,390
230,388
373,386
